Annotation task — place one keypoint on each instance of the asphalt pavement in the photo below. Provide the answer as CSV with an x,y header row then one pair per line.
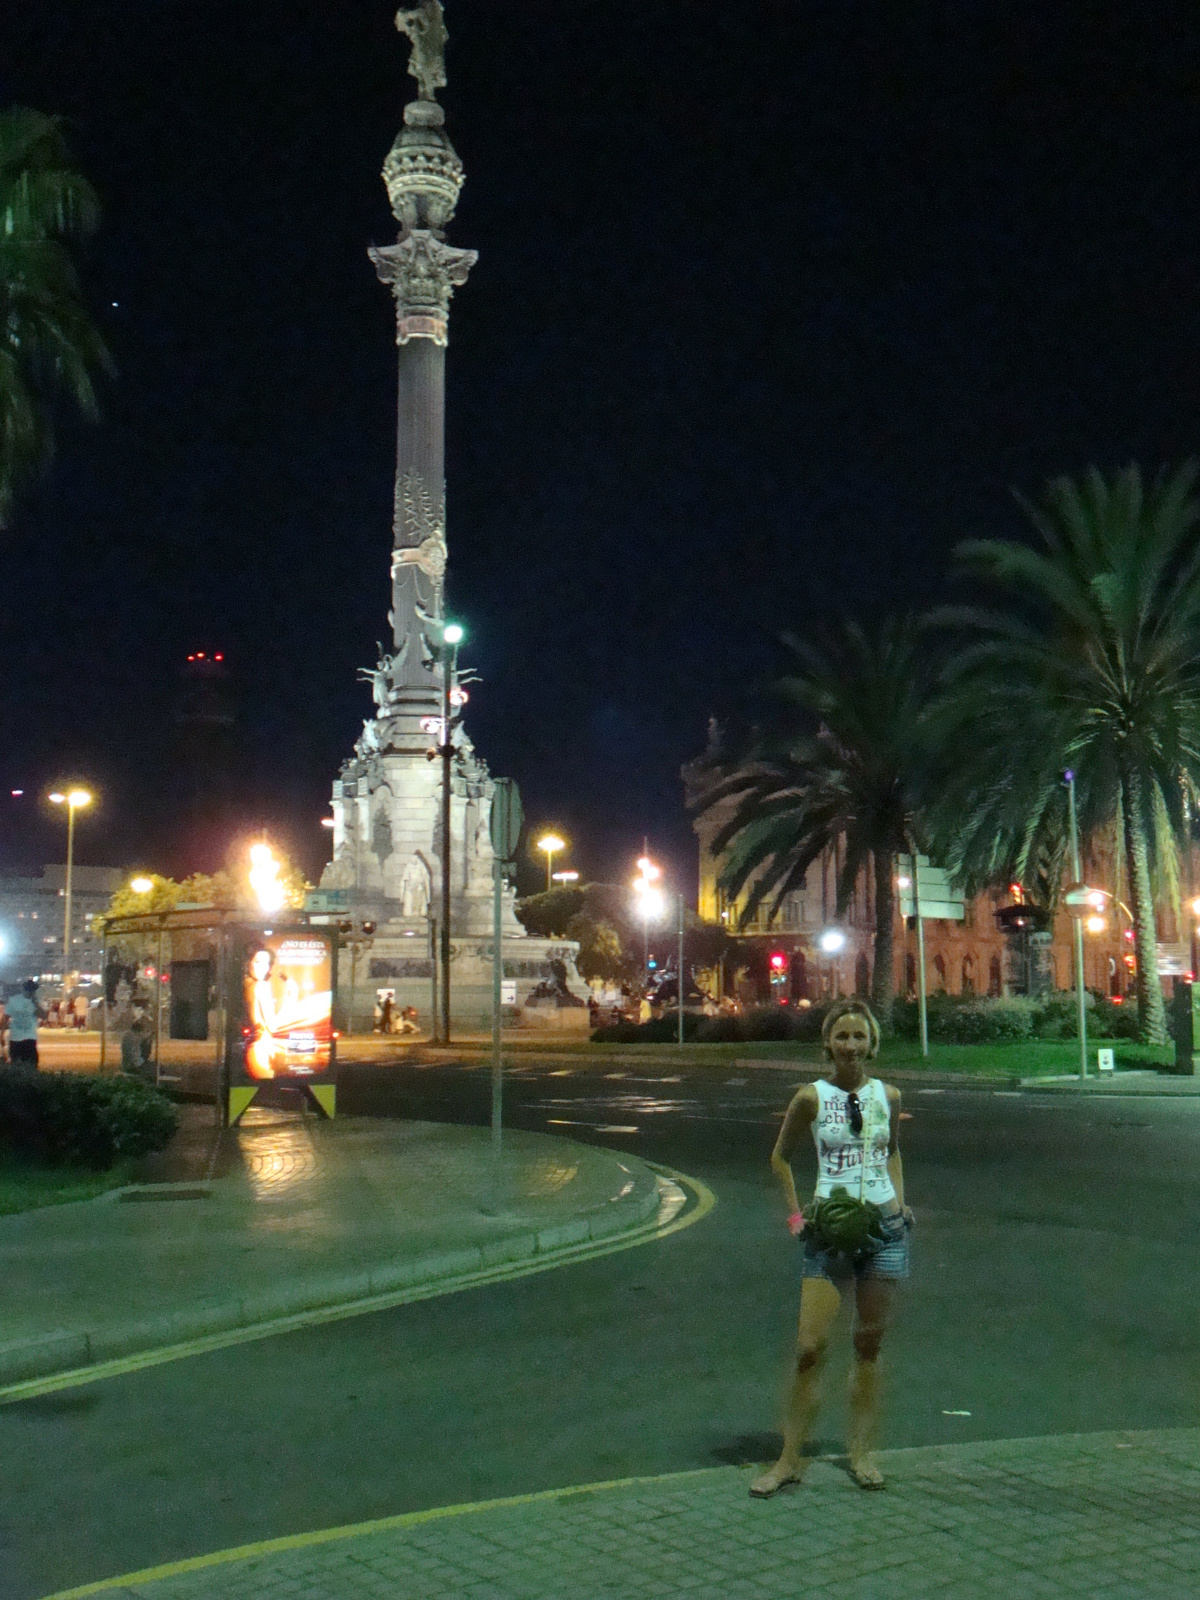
x,y
1053,1293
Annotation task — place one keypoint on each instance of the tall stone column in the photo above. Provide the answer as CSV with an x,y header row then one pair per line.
x,y
423,175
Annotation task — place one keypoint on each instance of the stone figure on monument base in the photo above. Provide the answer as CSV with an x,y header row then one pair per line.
x,y
414,889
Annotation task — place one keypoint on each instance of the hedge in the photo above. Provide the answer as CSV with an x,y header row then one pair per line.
x,y
69,1118
801,1023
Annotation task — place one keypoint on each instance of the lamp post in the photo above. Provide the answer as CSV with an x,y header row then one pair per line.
x,y
551,844
452,635
74,800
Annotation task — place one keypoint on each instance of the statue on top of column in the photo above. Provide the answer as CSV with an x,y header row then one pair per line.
x,y
427,62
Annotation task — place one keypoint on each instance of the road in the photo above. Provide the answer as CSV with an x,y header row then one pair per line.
x,y
1054,1290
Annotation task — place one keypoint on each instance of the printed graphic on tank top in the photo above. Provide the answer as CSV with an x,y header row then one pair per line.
x,y
840,1149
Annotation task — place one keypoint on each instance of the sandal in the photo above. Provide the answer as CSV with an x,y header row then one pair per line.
x,y
770,1482
868,1476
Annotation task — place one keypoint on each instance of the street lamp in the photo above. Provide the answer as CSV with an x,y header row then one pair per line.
x,y
74,800
566,877
551,844
264,879
650,902
141,885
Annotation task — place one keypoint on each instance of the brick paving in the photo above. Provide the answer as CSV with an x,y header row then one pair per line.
x,y
1095,1515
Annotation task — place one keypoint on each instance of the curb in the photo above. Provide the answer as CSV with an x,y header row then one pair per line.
x,y
52,1354
1151,1085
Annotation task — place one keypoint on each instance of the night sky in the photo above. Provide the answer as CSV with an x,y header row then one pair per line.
x,y
776,301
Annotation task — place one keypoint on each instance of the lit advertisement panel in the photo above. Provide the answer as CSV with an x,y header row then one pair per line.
x,y
287,995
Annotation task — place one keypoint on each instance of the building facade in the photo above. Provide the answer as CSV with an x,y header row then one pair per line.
x,y
32,915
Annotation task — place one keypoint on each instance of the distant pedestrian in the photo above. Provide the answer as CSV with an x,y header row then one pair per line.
x,y
856,1234
387,1015
80,1008
23,1018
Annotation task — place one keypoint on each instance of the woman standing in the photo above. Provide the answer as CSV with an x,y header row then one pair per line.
x,y
855,1123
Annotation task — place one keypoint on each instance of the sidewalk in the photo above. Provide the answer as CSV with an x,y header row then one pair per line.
x,y
1093,1515
285,1215
1128,1082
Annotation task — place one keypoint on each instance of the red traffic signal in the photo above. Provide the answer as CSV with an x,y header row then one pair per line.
x,y
778,961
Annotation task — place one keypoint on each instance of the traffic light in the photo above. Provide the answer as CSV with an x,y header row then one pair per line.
x,y
777,965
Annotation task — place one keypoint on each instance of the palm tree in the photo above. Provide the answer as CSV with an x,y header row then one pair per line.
x,y
847,764
1097,669
48,342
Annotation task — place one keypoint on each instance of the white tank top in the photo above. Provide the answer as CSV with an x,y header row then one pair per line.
x,y
840,1151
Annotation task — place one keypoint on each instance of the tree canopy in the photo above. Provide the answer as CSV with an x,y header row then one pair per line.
x,y
49,344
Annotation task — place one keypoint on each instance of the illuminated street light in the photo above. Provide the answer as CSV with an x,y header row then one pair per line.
x,y
264,879
327,822
651,902
1096,924
452,633
566,877
551,844
650,873
831,941
141,885
74,800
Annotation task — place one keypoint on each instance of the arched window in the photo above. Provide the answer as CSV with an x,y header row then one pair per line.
x,y
910,975
968,974
995,978
939,974
862,976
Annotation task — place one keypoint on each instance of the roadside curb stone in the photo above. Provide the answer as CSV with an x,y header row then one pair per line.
x,y
632,1202
1077,1514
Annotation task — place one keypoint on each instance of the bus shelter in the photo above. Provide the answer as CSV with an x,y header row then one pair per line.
x,y
223,1006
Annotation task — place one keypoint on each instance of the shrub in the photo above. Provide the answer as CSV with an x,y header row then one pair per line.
x,y
985,1022
799,1024
1114,1022
1057,1014
962,1019
66,1117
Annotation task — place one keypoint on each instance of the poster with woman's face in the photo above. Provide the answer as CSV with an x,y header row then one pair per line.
x,y
287,987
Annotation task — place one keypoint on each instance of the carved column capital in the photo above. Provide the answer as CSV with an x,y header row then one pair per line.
x,y
423,273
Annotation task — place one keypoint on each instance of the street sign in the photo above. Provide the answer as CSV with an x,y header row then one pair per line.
x,y
935,894
508,818
508,992
1104,1060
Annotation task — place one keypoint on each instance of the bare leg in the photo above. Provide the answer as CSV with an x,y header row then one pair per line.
x,y
872,1304
819,1302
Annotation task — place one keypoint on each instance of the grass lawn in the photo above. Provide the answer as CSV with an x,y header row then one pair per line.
x,y
24,1185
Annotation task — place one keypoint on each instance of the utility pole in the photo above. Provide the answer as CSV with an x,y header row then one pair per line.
x,y
451,638
681,914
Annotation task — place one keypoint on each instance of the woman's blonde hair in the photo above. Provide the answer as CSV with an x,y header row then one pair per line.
x,y
851,1007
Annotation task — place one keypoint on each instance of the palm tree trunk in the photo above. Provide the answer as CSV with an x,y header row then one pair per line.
x,y
1152,1017
883,983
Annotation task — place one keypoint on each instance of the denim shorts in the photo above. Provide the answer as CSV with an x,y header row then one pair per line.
x,y
889,1261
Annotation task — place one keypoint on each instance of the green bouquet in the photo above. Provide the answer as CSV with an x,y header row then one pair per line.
x,y
847,1226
